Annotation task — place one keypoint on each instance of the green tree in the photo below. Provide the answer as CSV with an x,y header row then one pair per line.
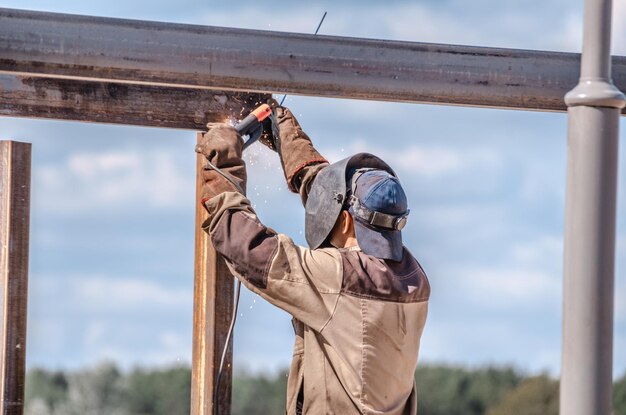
x,y
534,396
95,391
446,390
45,391
259,394
441,390
619,396
159,392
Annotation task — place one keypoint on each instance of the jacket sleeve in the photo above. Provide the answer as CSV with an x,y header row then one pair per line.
x,y
304,179
304,282
300,159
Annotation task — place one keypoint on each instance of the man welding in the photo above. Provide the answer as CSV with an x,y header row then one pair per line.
x,y
358,298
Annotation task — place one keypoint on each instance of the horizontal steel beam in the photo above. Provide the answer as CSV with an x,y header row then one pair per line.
x,y
116,103
81,48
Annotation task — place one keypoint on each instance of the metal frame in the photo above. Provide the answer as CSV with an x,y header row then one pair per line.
x,y
84,48
118,103
14,237
75,68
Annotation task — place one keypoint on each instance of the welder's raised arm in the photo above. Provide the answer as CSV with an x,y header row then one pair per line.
x,y
305,283
225,169
300,160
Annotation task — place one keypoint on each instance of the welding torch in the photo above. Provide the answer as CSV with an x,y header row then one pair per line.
x,y
252,125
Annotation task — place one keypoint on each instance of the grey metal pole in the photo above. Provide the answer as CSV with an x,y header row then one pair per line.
x,y
593,110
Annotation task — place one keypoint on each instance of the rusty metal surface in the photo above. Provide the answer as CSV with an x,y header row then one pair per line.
x,y
116,103
212,312
15,161
199,57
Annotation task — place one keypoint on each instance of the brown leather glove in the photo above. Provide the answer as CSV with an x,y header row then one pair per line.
x,y
293,145
267,136
222,146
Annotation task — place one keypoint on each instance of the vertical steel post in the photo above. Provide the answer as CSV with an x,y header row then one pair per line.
x,y
14,232
593,111
212,312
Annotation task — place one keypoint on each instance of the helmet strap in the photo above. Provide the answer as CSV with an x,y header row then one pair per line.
x,y
378,219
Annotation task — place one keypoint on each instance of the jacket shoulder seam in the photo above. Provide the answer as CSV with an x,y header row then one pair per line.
x,y
266,271
381,298
338,294
363,355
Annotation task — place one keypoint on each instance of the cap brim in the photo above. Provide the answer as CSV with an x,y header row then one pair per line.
x,y
384,244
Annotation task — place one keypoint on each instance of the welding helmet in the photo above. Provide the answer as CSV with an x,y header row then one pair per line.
x,y
366,186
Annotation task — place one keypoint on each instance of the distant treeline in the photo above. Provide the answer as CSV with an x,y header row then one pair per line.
x,y
442,390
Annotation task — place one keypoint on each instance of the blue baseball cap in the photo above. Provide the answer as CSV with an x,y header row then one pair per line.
x,y
379,207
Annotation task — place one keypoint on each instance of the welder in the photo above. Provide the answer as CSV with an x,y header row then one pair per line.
x,y
358,297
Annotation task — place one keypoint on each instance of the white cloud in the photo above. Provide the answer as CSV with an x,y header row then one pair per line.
x,y
535,187
545,251
103,293
164,348
544,25
95,317
505,288
171,346
540,26
490,342
426,161
93,165
86,181
45,334
571,37
459,217
526,276
96,334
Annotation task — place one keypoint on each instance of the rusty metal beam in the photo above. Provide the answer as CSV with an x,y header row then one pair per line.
x,y
116,103
203,57
212,312
14,227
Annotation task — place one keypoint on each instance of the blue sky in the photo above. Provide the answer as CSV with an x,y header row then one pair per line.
x,y
113,207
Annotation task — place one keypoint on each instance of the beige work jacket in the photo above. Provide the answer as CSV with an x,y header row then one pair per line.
x,y
357,319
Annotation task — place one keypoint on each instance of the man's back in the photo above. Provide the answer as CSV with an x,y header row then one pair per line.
x,y
367,352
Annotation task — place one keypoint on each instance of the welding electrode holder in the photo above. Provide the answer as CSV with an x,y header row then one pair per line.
x,y
252,125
